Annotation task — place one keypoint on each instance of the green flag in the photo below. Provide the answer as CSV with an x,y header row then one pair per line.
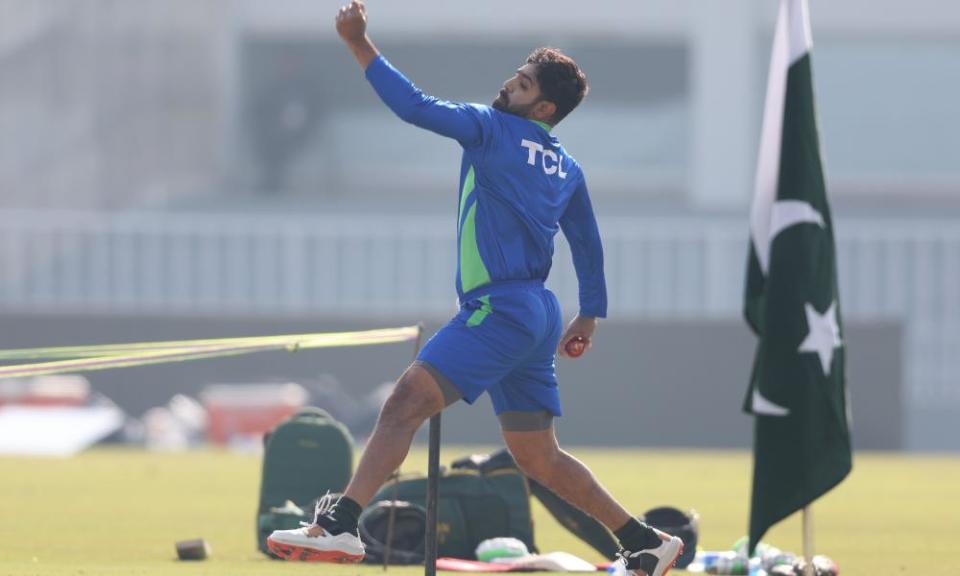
x,y
797,389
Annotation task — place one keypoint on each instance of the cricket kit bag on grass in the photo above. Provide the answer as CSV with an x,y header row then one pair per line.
x,y
304,457
585,527
402,523
473,506
577,522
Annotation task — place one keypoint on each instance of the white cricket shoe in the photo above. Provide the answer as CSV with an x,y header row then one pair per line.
x,y
651,561
314,542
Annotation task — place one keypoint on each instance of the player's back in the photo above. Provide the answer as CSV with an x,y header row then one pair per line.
x,y
528,167
522,180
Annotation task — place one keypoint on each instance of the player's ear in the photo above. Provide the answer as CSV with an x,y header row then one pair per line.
x,y
544,111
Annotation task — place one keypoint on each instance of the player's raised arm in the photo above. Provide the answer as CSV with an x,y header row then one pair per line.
x,y
462,122
352,28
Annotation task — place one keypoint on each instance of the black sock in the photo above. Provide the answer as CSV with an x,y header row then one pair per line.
x,y
347,512
635,535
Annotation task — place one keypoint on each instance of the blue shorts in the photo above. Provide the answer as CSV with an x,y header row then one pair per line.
x,y
503,342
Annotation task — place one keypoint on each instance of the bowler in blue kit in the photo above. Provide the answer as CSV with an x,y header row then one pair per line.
x,y
518,188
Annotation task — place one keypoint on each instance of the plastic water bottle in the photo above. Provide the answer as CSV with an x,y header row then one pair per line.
x,y
772,558
728,563
617,569
708,559
756,568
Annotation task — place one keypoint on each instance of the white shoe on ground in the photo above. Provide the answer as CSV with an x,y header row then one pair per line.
x,y
651,561
322,546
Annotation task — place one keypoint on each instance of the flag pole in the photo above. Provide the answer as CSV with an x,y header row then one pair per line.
x,y
807,541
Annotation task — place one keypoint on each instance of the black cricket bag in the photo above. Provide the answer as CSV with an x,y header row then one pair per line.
x,y
472,507
585,527
304,457
403,523
580,524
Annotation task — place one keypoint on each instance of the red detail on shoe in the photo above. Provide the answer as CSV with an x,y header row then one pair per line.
x,y
674,561
299,553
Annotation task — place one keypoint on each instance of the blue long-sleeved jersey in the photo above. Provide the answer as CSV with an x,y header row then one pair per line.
x,y
518,186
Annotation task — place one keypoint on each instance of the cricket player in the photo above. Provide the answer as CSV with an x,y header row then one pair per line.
x,y
518,187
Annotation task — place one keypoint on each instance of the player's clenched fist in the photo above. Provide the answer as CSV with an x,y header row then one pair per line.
x,y
352,21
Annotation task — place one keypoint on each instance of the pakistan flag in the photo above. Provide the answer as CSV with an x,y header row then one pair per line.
x,y
797,389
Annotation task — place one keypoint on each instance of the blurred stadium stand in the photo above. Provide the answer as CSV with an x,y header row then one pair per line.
x,y
108,105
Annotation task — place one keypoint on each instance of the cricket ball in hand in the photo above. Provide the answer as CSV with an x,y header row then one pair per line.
x,y
575,346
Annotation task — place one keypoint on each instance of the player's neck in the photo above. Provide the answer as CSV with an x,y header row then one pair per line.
x,y
541,124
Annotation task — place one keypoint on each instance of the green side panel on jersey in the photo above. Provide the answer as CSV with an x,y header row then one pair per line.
x,y
480,313
468,184
473,272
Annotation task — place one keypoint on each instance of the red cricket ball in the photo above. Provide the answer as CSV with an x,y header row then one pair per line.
x,y
575,346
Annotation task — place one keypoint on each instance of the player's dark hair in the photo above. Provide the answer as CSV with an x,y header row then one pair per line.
x,y
561,80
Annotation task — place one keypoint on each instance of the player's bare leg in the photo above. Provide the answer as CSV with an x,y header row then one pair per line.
x,y
415,398
540,457
332,536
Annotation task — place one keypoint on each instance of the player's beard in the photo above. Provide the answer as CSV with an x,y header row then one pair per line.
x,y
502,103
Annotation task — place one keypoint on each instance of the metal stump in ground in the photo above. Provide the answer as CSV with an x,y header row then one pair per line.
x,y
433,473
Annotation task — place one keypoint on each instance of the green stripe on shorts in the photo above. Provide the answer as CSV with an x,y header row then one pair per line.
x,y
480,313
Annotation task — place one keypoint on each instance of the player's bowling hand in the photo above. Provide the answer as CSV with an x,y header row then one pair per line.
x,y
352,21
577,338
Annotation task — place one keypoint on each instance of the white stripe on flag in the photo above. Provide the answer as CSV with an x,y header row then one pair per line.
x,y
791,41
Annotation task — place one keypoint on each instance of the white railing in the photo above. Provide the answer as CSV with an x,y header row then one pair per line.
x,y
678,267
366,265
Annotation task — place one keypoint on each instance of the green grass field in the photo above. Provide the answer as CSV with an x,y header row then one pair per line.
x,y
115,511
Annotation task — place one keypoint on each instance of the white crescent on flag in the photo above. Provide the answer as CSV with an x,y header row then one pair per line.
x,y
785,213
762,406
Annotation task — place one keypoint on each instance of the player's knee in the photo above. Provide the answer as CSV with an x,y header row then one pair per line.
x,y
535,462
415,398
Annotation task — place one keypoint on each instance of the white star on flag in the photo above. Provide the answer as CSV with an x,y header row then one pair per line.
x,y
824,334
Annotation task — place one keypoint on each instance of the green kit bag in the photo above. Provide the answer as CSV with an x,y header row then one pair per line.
x,y
304,457
472,507
580,524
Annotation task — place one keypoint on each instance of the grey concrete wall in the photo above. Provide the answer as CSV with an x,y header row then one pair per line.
x,y
644,384
108,105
